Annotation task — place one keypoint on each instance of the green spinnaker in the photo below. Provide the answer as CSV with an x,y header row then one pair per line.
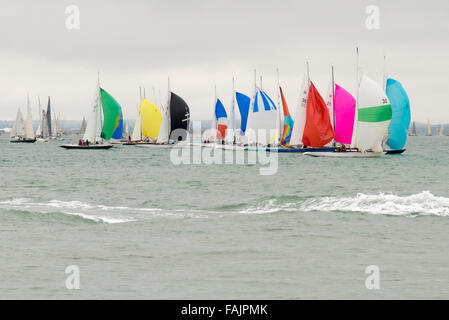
x,y
111,113
375,114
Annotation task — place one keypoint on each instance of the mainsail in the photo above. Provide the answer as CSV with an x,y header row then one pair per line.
x,y
318,128
29,131
374,115
49,124
179,114
400,119
344,112
429,130
18,129
300,116
288,122
163,136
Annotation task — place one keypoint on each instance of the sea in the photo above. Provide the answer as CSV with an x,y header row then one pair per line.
x,y
128,223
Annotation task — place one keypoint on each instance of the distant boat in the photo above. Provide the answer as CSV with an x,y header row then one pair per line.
x,y
23,133
83,127
429,131
102,122
413,133
400,119
441,133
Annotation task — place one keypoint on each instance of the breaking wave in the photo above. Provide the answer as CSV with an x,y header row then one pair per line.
x,y
424,203
91,212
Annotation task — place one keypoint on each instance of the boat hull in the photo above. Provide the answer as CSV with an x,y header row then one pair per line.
x,y
23,141
347,154
301,150
153,145
96,146
394,151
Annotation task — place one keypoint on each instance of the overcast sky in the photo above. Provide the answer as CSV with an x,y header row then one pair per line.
x,y
202,43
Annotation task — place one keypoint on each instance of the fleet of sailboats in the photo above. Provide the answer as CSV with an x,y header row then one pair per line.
x,y
373,123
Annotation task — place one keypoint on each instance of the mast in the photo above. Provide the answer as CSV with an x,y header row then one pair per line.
x,y
98,106
333,102
384,83
279,133
233,112
168,109
354,134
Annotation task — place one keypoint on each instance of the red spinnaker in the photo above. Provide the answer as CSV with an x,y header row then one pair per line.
x,y
318,128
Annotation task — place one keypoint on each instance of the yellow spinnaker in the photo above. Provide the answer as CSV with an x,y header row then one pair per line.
x,y
151,119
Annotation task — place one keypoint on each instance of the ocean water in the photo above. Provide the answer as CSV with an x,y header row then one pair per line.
x,y
139,227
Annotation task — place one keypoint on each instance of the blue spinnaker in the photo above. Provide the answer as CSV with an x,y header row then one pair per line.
x,y
400,119
243,102
220,111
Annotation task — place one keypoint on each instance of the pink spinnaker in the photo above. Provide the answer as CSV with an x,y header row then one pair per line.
x,y
344,108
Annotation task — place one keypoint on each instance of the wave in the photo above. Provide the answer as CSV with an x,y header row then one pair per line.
x,y
424,203
92,212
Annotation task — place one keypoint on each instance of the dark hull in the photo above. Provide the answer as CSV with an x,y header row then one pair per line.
x,y
73,146
394,151
301,150
23,141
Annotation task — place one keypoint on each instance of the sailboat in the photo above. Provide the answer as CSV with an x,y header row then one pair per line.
x,y
413,133
400,119
23,132
169,126
373,114
262,120
102,122
312,128
440,133
429,131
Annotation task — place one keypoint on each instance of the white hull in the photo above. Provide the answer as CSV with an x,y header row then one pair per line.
x,y
153,145
348,154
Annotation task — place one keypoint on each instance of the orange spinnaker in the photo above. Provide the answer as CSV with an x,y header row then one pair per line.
x,y
318,128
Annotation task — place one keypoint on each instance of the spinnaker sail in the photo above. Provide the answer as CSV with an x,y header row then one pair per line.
x,y
344,112
288,121
318,127
400,119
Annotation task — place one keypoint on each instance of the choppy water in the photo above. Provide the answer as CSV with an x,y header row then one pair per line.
x,y
139,227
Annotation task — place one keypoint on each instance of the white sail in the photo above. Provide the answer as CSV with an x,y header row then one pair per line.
x,y
373,117
441,130
163,131
429,131
18,129
300,115
45,133
137,131
83,126
93,128
39,127
262,116
29,131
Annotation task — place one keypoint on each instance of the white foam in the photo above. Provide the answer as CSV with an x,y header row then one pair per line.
x,y
424,203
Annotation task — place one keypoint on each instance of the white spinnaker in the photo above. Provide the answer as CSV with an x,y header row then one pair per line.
x,y
369,135
263,116
163,131
29,131
300,115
